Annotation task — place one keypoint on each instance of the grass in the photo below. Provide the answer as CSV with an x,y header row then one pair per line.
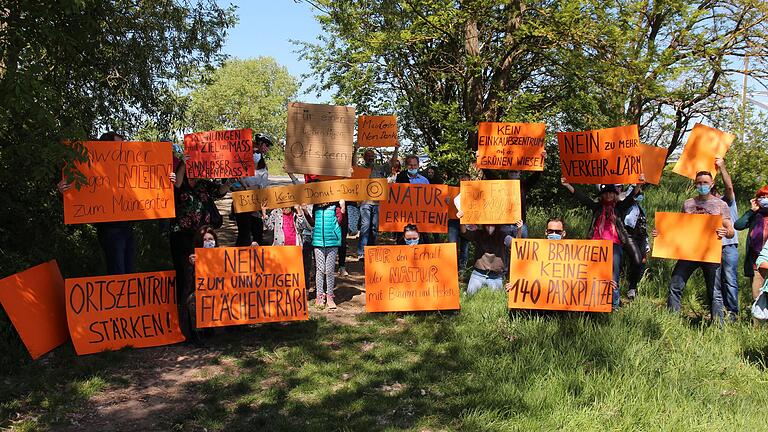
x,y
641,368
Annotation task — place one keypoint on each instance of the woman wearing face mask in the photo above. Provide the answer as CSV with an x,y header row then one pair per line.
x,y
411,235
608,224
205,237
250,226
756,220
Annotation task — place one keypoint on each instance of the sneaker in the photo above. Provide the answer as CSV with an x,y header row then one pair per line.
x,y
361,258
343,272
631,294
331,304
320,301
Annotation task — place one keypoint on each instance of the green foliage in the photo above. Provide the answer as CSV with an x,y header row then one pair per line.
x,y
72,69
252,93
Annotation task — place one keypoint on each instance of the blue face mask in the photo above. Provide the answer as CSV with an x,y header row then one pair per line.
x,y
413,171
640,198
256,158
703,189
554,236
762,202
209,244
411,242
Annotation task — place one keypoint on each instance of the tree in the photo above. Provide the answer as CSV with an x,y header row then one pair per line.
x,y
251,93
445,65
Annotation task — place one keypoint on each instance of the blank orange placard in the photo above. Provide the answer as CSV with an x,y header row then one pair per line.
x,y
703,146
688,237
654,160
411,278
569,275
34,301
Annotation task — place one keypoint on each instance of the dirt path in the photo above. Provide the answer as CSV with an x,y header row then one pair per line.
x,y
157,380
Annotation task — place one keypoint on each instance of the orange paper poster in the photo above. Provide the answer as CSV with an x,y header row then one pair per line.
x,y
490,202
654,160
601,156
567,275
688,237
219,154
112,312
425,206
310,193
510,146
376,131
34,301
703,146
411,278
249,285
124,181
357,173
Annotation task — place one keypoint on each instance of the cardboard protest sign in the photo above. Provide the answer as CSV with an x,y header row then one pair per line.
x,y
453,192
249,285
688,237
411,278
568,275
654,160
319,139
310,193
357,173
491,202
124,181
601,156
376,131
219,154
703,146
510,146
422,205
34,302
136,310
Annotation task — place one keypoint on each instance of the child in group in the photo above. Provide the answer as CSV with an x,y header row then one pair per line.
x,y
205,237
411,235
287,223
326,239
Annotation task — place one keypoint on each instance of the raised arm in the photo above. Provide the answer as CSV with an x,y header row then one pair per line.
x,y
728,193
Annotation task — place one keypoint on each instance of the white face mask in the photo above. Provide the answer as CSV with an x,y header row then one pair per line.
x,y
209,244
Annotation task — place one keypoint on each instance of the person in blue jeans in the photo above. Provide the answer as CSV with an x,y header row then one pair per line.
x,y
727,277
491,250
369,210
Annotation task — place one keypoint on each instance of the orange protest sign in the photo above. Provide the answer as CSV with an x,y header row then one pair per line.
x,y
219,154
357,173
510,146
376,131
411,278
703,146
34,301
689,237
601,156
124,181
310,193
654,160
490,202
319,139
112,312
568,275
421,204
249,285
453,192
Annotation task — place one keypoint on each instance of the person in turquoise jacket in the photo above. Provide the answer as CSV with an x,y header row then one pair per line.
x,y
326,238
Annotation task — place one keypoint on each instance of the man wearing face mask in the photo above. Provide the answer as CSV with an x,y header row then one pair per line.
x,y
411,173
703,203
636,224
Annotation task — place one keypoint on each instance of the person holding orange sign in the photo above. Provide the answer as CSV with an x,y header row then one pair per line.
x,y
703,203
608,224
491,249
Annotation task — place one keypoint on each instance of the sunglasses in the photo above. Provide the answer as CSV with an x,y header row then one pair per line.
x,y
549,231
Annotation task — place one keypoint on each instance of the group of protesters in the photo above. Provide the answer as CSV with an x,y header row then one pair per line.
x,y
322,231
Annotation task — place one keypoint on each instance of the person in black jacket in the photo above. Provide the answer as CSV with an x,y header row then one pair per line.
x,y
636,224
608,224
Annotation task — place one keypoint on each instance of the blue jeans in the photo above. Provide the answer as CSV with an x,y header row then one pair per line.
x,y
353,218
454,236
680,275
617,253
119,248
479,280
369,227
727,279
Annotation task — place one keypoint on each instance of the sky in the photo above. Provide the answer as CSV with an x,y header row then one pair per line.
x,y
265,28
